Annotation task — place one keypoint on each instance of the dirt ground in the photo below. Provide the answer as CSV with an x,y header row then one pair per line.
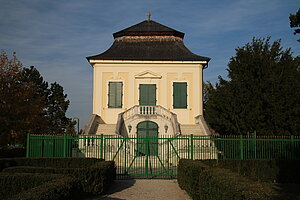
x,y
144,189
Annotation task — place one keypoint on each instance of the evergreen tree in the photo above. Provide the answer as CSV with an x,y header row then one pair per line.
x,y
262,93
32,76
55,103
295,22
70,128
56,109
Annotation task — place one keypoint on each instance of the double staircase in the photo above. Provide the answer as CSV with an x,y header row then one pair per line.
x,y
140,113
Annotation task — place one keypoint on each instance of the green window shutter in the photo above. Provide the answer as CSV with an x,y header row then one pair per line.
x,y
115,94
143,94
152,95
147,94
180,95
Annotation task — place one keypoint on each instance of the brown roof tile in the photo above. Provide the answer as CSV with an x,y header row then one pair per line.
x,y
148,40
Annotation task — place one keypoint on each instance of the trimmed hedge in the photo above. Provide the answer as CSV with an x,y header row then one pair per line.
x,y
21,185
12,152
94,179
262,170
203,182
48,162
222,184
188,175
60,189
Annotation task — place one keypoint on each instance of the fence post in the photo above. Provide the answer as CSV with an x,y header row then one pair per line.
x,y
241,147
293,146
27,145
65,145
125,161
255,145
192,147
147,156
101,146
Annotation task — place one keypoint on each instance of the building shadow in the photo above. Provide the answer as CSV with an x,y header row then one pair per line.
x,y
110,198
119,185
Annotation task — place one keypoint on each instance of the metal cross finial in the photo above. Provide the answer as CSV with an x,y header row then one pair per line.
x,y
149,15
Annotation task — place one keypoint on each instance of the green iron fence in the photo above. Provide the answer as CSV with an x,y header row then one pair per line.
x,y
159,157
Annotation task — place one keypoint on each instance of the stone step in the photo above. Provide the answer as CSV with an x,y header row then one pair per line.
x,y
106,129
187,129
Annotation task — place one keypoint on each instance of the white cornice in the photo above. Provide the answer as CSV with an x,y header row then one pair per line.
x,y
145,62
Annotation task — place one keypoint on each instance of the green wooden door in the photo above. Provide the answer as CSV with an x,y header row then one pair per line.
x,y
147,94
147,138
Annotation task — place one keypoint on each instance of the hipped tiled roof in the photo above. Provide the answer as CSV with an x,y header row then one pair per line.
x,y
148,40
148,28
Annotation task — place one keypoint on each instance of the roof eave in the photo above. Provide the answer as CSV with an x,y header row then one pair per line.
x,y
202,62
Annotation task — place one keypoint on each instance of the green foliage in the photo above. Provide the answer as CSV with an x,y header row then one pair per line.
x,y
55,102
64,188
94,175
70,128
188,176
262,93
48,162
279,171
27,104
57,107
288,171
93,180
221,184
257,170
209,180
20,108
22,185
12,152
33,77
295,22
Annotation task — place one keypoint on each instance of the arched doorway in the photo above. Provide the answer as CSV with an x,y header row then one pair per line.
x,y
147,132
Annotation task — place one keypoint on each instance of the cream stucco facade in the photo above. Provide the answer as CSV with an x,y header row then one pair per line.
x,y
160,73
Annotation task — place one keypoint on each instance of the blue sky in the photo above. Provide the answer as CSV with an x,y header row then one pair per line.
x,y
55,36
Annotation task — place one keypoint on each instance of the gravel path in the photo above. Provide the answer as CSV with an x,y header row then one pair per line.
x,y
144,189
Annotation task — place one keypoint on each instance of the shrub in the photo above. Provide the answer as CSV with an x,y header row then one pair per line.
x,y
262,170
94,179
65,188
188,175
222,184
11,184
288,171
208,182
48,162
12,152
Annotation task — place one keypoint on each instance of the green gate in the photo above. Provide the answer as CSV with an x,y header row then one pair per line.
x,y
146,157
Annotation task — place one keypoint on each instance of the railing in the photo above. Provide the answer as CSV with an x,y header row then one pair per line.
x,y
194,147
149,110
159,156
